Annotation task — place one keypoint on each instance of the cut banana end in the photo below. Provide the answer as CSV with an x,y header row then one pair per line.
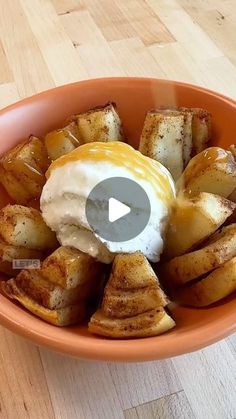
x,y
68,268
218,250
187,135
201,129
173,136
62,317
62,141
151,323
162,139
24,226
213,170
214,287
22,170
100,124
193,221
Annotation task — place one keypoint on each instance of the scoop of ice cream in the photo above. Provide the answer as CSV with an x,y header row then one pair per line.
x,y
71,178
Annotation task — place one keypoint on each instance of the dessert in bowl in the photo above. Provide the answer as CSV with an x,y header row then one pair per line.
x,y
195,327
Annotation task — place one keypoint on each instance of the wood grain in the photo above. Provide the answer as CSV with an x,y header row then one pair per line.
x,y
70,381
22,51
23,389
174,406
45,43
209,371
138,383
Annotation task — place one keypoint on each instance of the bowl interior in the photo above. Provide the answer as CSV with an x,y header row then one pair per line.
x,y
134,97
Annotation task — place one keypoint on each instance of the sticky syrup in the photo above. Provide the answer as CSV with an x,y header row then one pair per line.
x,y
123,155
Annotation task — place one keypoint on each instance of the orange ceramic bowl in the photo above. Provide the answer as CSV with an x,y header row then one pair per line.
x,y
39,114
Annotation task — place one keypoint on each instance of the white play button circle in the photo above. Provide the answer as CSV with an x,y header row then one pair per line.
x,y
117,210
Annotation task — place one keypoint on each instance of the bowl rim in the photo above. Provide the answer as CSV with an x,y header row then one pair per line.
x,y
108,349
130,350
115,80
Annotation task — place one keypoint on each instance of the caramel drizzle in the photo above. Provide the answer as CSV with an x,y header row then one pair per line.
x,y
203,160
58,137
122,155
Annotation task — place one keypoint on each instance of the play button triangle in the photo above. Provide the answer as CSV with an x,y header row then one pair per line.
x,y
117,210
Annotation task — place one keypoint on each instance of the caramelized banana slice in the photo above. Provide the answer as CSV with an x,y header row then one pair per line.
x,y
62,141
23,226
213,170
185,268
100,124
132,288
172,136
187,135
200,128
121,304
10,253
194,220
14,188
218,284
151,323
132,270
61,317
50,295
24,165
162,139
68,268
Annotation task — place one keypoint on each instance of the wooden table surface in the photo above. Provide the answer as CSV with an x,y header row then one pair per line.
x,y
46,43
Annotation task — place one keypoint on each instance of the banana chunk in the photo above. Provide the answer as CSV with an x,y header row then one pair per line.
x,y
99,124
23,226
201,129
68,268
66,316
217,285
150,323
194,220
220,248
162,139
133,301
62,141
133,287
173,136
213,170
9,253
49,295
22,170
